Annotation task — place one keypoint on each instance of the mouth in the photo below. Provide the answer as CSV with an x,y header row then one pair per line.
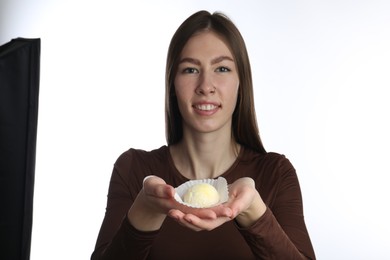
x,y
206,107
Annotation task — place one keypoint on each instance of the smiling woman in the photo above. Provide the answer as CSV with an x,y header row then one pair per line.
x,y
209,94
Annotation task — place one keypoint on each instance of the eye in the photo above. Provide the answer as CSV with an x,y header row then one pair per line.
x,y
190,71
223,69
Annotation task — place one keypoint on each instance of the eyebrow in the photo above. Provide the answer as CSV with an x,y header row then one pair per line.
x,y
213,61
221,58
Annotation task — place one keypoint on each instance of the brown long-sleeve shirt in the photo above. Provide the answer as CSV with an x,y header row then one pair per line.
x,y
279,234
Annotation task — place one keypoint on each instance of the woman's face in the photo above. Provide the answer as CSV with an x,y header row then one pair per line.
x,y
206,84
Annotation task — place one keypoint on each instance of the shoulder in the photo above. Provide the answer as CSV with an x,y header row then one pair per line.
x,y
131,167
141,162
273,174
139,155
270,167
265,160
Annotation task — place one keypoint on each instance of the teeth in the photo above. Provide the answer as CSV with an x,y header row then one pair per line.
x,y
206,107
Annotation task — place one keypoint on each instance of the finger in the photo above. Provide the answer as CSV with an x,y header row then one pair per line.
x,y
155,186
175,214
236,206
201,213
222,211
196,223
207,213
178,216
164,191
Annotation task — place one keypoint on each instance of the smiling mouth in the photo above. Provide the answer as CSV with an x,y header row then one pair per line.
x,y
206,107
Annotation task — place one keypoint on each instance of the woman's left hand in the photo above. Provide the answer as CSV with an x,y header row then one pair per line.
x,y
244,204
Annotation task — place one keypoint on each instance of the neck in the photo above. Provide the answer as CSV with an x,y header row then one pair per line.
x,y
204,156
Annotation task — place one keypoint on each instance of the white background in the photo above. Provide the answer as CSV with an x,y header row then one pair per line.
x,y
321,74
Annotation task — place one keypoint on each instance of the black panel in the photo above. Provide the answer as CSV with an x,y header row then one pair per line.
x,y
19,90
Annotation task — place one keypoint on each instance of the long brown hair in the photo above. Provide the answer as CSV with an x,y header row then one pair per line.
x,y
244,125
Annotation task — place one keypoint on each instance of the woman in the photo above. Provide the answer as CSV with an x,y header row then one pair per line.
x,y
211,132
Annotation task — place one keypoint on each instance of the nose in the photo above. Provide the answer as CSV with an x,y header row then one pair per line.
x,y
205,85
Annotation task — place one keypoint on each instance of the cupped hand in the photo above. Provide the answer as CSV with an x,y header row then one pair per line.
x,y
156,195
245,201
244,204
196,220
149,209
159,196
156,200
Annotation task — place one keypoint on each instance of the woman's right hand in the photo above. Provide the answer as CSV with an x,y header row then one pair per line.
x,y
151,205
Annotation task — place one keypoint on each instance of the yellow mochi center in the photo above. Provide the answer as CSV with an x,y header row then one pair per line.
x,y
201,195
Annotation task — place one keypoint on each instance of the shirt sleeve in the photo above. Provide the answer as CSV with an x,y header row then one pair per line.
x,y
281,232
127,243
118,239
267,240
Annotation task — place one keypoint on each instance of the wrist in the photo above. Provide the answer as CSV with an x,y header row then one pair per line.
x,y
142,217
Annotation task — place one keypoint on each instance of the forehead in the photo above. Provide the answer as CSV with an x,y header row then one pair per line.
x,y
206,42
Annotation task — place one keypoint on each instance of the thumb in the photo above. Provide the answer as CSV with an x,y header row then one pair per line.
x,y
157,187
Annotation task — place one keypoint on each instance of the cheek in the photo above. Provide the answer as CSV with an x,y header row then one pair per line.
x,y
180,85
182,95
233,88
184,89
